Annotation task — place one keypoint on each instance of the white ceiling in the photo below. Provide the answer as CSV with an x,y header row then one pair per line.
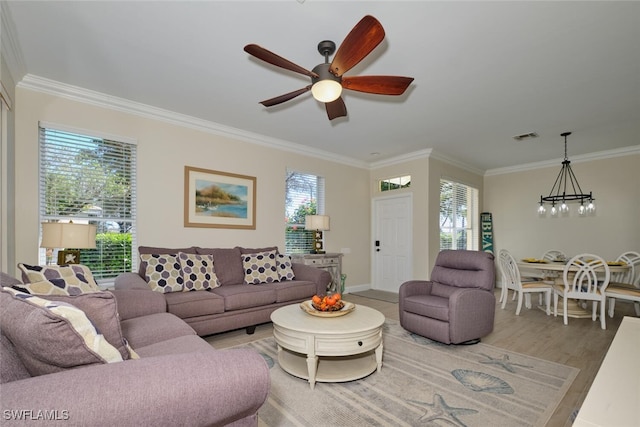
x,y
484,71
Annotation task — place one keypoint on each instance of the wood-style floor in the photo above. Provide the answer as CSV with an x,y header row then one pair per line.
x,y
581,343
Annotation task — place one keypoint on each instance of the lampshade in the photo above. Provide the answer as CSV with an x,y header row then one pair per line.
x,y
326,90
316,222
68,235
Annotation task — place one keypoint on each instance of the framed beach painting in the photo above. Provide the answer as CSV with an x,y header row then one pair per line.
x,y
219,199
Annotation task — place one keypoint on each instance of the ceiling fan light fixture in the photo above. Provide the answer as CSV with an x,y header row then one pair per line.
x,y
326,90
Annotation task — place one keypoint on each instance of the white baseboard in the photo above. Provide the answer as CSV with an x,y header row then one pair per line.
x,y
357,288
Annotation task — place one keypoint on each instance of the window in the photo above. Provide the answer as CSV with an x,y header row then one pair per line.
x,y
304,196
458,216
88,179
395,183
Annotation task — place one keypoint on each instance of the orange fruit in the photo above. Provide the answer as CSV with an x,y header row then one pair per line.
x,y
316,299
338,297
331,301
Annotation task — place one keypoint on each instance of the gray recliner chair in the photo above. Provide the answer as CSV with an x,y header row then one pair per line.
x,y
457,305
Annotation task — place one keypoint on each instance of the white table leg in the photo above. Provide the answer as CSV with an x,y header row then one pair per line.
x,y
379,357
312,367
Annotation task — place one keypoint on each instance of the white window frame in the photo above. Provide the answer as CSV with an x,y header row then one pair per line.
x,y
91,215
302,241
466,197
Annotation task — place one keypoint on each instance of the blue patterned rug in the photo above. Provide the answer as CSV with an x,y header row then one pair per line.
x,y
422,383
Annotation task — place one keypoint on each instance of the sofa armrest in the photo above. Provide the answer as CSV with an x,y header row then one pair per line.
x,y
206,388
413,287
138,302
130,281
322,278
471,313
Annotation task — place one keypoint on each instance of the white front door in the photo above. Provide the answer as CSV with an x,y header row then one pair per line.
x,y
392,242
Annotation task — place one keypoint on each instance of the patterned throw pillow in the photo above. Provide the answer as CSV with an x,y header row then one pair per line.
x,y
73,279
197,272
260,267
163,272
52,336
285,269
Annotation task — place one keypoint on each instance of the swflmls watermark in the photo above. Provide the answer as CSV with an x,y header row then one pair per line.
x,y
35,415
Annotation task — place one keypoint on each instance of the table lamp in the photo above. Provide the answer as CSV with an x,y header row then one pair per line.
x,y
319,223
68,235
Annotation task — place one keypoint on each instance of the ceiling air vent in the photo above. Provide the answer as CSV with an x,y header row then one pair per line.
x,y
525,136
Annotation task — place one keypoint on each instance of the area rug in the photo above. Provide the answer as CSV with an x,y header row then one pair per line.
x,y
422,382
379,295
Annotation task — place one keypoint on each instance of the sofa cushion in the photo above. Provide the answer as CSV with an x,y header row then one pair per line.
x,y
256,250
193,304
58,279
147,330
227,264
245,296
102,310
295,290
197,272
431,306
52,336
285,267
260,267
163,272
178,345
11,367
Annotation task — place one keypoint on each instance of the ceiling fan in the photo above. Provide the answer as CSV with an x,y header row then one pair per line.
x,y
327,80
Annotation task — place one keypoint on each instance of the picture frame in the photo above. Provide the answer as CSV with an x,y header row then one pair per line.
x,y
69,256
218,199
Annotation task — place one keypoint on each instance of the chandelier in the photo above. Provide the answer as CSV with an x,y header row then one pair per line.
x,y
566,189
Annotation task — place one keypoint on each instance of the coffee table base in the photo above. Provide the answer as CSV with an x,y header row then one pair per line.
x,y
329,369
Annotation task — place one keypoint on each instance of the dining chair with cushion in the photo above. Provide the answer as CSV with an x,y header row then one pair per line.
x,y
511,279
625,286
457,304
585,278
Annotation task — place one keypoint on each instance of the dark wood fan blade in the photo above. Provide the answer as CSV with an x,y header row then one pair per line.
x,y
283,98
363,38
336,108
381,85
270,57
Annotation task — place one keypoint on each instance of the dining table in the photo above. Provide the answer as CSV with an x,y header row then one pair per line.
x,y
553,270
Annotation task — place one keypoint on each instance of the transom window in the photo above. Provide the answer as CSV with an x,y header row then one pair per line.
x,y
458,216
394,183
304,196
90,180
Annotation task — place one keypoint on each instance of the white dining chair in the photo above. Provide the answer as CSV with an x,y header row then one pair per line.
x,y
585,277
626,286
554,255
511,279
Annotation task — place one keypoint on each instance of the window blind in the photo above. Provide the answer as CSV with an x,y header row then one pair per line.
x,y
459,223
304,196
88,179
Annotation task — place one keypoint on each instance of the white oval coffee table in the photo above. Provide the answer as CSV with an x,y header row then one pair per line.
x,y
328,349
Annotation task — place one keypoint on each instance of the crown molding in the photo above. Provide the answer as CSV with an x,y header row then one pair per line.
x,y
416,155
98,99
598,155
9,44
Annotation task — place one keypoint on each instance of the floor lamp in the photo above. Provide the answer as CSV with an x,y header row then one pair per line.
x,y
319,223
68,235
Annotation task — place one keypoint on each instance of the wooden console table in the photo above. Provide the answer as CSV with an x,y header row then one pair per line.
x,y
332,262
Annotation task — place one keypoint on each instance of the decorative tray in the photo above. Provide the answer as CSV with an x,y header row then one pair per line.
x,y
307,306
534,260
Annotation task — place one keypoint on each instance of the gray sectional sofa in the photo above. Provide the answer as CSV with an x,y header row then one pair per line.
x,y
233,304
169,375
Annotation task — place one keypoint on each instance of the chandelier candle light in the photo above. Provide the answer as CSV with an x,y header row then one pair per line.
x,y
566,189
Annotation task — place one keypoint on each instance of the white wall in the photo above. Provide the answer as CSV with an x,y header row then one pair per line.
x,y
163,151
513,199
